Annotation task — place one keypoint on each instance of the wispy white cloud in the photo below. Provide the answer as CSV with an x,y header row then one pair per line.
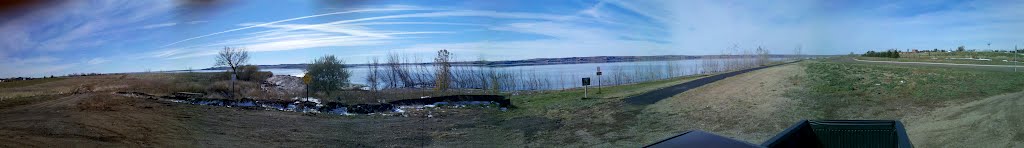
x,y
280,35
832,27
95,61
398,8
161,25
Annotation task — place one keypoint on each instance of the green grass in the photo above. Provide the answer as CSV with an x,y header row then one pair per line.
x,y
841,90
993,62
572,99
944,57
27,82
988,55
560,117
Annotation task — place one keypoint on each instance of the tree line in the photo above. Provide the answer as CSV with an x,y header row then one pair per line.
x,y
891,53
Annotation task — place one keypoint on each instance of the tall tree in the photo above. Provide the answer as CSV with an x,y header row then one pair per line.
x,y
232,58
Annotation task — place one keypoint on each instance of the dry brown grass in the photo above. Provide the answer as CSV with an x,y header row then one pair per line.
x,y
751,107
992,122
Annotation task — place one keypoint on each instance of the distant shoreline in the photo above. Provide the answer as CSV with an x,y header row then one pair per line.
x,y
542,61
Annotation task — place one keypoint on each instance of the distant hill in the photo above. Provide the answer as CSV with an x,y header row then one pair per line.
x,y
535,61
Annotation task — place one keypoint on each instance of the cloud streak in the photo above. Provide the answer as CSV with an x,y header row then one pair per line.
x,y
293,19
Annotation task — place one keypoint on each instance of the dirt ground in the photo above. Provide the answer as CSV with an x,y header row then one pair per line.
x,y
750,107
83,112
992,122
103,120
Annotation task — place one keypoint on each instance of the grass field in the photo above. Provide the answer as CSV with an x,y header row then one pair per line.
x,y
950,57
565,118
902,59
943,55
856,91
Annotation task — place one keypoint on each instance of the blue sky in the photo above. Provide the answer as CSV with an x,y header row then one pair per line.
x,y
56,38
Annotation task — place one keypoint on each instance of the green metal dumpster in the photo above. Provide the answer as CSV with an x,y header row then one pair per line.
x,y
842,133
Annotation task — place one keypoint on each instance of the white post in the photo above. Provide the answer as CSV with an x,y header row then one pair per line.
x,y
584,91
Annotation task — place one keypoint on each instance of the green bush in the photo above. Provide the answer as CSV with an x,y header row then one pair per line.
x,y
328,74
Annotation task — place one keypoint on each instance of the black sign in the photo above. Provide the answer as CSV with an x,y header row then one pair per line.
x,y
599,73
586,81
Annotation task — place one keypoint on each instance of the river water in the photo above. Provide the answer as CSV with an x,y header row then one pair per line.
x,y
561,76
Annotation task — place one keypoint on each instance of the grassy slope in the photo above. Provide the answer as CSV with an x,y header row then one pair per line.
x,y
854,91
565,118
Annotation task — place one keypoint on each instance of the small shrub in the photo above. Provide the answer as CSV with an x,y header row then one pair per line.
x,y
252,73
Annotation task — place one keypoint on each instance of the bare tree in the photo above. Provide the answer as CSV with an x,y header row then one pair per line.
x,y
232,58
398,74
762,56
797,51
443,64
373,77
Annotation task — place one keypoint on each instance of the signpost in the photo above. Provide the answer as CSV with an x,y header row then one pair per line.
x,y
306,78
599,80
234,77
586,82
